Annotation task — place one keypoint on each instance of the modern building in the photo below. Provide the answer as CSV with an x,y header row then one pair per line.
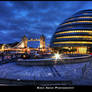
x,y
74,35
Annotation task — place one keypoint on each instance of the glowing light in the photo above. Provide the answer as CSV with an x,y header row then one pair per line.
x,y
75,31
78,22
82,50
73,42
21,45
85,17
74,37
80,17
24,56
57,56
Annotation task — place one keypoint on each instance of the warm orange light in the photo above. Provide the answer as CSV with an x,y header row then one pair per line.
x,y
82,50
77,22
24,56
73,42
80,17
84,17
74,37
75,31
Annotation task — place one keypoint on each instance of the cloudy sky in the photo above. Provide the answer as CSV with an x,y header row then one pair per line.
x,y
34,18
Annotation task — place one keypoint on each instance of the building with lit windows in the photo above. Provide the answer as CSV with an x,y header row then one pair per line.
x,y
74,35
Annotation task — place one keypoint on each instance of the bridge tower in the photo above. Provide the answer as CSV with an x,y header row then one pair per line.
x,y
42,42
3,47
25,41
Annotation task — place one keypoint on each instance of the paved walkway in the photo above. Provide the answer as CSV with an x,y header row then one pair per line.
x,y
65,72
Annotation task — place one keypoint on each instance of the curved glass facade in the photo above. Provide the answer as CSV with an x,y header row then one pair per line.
x,y
74,32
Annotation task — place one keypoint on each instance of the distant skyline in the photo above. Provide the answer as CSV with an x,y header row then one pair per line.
x,y
33,18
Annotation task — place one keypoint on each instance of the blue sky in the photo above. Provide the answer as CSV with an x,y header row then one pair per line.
x,y
33,18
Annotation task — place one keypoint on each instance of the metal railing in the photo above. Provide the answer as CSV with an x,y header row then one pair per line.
x,y
9,57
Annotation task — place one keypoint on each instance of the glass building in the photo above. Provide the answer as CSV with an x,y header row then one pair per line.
x,y
74,35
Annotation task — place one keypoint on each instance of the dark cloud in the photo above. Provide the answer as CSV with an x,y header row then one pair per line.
x,y
33,18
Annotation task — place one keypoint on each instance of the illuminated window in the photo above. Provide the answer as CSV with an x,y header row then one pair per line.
x,y
79,17
73,42
90,37
84,17
82,31
82,50
77,22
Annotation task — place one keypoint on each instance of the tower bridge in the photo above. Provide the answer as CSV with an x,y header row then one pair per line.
x,y
25,40
23,44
